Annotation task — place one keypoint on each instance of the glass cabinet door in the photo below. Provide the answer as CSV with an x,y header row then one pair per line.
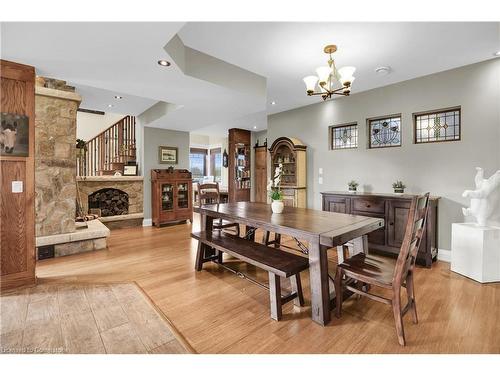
x,y
167,197
182,195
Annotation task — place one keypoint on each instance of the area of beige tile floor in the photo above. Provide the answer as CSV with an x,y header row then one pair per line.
x,y
84,318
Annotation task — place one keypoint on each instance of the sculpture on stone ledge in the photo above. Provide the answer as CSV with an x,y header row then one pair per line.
x,y
484,200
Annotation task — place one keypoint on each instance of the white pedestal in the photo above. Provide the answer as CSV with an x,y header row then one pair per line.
x,y
475,251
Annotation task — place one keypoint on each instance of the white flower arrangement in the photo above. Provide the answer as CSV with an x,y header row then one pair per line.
x,y
274,185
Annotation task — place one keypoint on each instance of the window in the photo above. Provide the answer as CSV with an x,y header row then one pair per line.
x,y
216,164
344,136
198,163
384,131
437,126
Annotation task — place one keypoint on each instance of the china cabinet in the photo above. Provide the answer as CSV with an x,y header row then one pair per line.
x,y
291,154
171,192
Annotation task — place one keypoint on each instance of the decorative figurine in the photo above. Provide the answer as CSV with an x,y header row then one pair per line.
x,y
484,200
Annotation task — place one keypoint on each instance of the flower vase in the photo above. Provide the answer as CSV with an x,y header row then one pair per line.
x,y
277,206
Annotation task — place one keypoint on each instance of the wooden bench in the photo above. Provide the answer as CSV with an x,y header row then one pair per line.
x,y
276,262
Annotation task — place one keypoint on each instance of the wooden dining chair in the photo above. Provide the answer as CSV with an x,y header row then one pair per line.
x,y
209,194
388,273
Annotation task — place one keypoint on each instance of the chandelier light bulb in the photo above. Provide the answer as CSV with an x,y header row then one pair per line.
x,y
310,82
346,75
323,73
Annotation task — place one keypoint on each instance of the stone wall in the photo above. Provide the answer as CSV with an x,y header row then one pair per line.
x,y
132,185
55,160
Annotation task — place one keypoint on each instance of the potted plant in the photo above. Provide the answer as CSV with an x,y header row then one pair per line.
x,y
353,186
399,187
275,193
81,147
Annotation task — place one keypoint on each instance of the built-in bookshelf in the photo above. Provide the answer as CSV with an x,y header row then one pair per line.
x,y
239,165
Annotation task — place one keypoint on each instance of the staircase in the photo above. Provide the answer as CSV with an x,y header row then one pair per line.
x,y
108,151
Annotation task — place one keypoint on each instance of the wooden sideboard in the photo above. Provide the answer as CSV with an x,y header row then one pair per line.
x,y
393,208
171,196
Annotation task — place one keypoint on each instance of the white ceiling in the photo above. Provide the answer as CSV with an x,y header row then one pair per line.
x,y
105,59
100,99
285,52
122,58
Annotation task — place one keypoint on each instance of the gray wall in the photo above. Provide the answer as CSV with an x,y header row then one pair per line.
x,y
154,137
445,169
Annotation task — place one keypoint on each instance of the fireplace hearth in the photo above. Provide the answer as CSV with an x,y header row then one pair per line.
x,y
109,201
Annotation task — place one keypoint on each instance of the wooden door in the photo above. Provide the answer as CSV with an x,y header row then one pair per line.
x,y
261,174
397,217
17,206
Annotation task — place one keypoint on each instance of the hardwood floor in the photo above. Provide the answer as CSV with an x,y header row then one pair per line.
x,y
217,312
84,318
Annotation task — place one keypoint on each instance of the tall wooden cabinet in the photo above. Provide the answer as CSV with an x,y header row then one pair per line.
x,y
239,165
17,178
171,196
291,153
393,208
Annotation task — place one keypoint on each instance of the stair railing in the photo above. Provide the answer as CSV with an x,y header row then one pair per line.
x,y
108,151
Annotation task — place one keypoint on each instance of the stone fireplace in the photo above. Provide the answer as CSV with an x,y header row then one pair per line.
x,y
108,202
118,200
57,234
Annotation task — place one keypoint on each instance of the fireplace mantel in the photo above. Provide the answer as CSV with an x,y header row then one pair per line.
x,y
110,178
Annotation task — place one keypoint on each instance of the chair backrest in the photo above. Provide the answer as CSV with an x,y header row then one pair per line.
x,y
413,237
208,193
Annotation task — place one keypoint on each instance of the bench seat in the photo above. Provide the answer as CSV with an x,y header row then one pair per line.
x,y
267,258
276,262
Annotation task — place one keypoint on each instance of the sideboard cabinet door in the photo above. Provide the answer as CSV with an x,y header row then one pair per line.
x,y
397,218
341,205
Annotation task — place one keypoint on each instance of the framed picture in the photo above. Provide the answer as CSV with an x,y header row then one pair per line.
x,y
14,135
130,170
167,155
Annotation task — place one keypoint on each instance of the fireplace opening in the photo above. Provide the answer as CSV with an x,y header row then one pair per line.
x,y
108,202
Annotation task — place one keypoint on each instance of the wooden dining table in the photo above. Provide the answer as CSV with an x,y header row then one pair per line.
x,y
321,230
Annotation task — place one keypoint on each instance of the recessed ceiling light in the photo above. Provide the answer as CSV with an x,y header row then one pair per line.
x,y
255,127
383,70
163,62
110,105
118,97
497,53
273,103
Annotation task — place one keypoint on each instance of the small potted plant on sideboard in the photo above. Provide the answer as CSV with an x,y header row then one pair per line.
x,y
399,187
353,186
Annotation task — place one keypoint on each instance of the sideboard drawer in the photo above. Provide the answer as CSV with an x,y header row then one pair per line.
x,y
363,204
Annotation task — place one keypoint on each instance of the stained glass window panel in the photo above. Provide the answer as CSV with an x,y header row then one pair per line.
x,y
437,126
385,132
344,136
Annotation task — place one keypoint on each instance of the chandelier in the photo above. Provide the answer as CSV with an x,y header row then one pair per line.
x,y
328,77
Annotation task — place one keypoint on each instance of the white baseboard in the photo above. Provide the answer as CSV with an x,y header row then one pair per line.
x,y
147,222
444,255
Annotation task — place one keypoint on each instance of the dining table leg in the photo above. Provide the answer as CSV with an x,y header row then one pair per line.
x,y
318,276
